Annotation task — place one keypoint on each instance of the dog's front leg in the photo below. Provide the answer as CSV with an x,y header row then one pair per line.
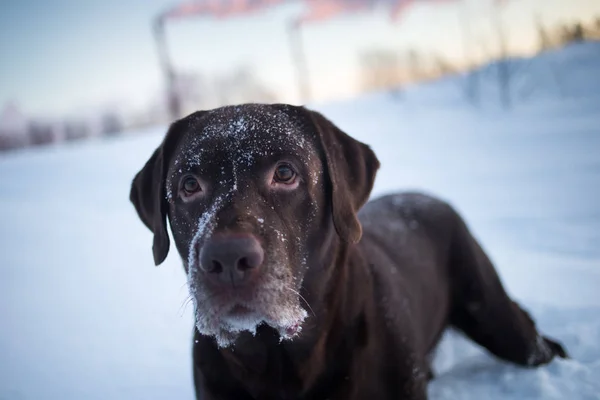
x,y
387,383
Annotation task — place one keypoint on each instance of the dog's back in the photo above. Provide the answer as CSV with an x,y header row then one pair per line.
x,y
430,270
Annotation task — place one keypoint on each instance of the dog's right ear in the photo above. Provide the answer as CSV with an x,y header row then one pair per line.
x,y
148,193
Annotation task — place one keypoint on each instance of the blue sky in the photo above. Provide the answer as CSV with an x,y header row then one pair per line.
x,y
61,54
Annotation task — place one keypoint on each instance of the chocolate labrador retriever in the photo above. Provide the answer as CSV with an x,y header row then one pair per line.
x,y
300,289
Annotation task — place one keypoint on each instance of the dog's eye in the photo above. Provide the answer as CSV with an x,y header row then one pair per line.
x,y
284,174
190,185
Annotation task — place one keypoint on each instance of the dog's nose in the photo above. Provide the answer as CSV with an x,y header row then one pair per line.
x,y
231,260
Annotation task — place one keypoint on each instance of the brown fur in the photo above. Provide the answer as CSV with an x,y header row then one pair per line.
x,y
380,282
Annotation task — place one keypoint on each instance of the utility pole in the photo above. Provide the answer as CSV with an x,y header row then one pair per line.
x,y
173,100
299,59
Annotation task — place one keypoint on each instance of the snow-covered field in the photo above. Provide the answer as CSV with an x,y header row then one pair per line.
x,y
85,315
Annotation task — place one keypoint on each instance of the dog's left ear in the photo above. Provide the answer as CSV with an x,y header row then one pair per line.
x,y
148,193
352,167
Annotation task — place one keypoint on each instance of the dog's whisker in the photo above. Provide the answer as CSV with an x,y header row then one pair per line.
x,y
189,299
184,305
302,297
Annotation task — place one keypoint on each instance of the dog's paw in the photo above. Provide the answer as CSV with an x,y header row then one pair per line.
x,y
544,351
556,348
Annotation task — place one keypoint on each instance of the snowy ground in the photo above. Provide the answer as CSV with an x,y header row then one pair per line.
x,y
85,315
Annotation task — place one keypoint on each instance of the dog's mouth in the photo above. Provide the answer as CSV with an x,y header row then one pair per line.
x,y
226,319
239,310
242,312
224,312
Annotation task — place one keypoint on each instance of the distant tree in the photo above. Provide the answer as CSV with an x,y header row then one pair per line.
x,y
75,130
13,127
111,124
442,66
41,133
191,91
415,65
544,40
574,33
565,34
240,85
595,29
379,69
577,34
247,87
503,65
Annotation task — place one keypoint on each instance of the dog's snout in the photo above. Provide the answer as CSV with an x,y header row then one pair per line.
x,y
231,260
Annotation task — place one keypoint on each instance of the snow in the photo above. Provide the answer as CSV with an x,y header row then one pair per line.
x,y
85,315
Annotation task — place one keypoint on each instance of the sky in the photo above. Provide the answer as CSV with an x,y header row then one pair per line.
x,y
61,55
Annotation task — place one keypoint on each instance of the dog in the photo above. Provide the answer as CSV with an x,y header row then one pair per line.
x,y
302,287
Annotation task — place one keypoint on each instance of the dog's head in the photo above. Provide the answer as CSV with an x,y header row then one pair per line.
x,y
255,195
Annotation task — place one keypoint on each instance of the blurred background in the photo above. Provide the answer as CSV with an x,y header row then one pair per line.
x,y
73,70
492,105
